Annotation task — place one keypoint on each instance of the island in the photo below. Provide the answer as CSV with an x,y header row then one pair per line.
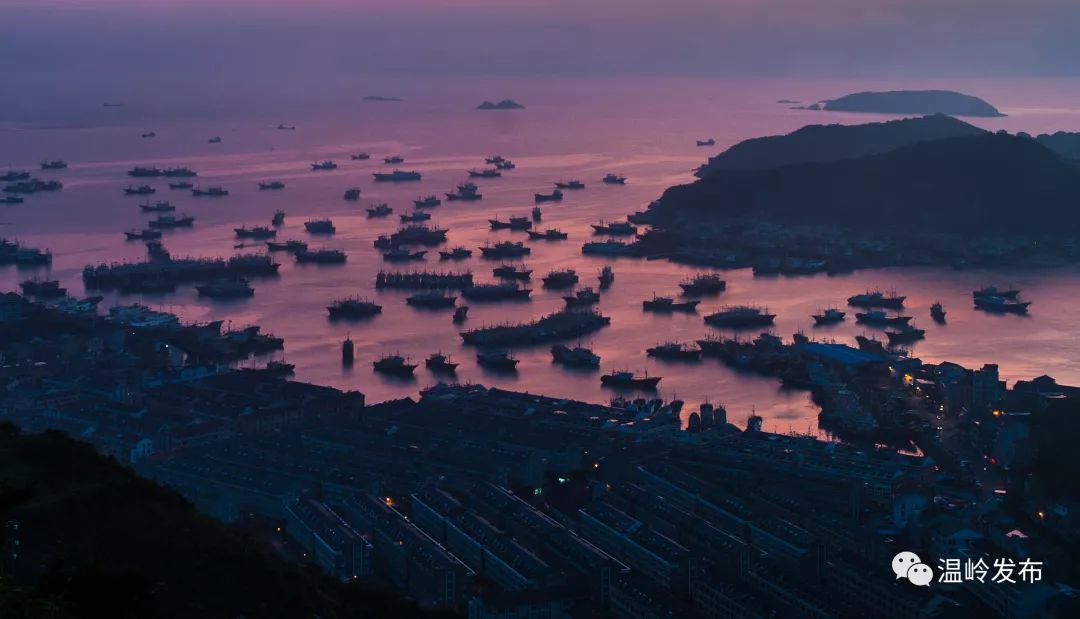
x,y
913,102
505,104
823,143
381,98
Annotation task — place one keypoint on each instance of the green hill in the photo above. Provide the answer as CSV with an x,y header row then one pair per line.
x,y
96,540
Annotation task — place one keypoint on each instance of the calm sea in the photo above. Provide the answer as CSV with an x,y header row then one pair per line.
x,y
572,128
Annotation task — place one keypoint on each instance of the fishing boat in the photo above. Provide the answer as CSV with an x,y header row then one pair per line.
x,y
829,316
439,363
427,202
937,312
614,179
606,277
324,165
271,185
551,234
497,360
668,304
574,357
629,380
394,365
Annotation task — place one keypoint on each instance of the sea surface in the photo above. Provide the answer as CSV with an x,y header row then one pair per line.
x,y
577,128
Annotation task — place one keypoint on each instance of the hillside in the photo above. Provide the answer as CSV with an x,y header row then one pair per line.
x,y
988,183
823,143
98,541
1066,144
913,102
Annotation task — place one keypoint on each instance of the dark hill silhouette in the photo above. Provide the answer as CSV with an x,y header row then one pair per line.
x,y
988,183
822,143
913,102
1064,143
96,540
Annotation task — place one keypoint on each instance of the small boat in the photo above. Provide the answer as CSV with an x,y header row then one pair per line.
x,y
400,254
465,192
157,207
284,127
702,284
352,194
427,202
506,249
606,277
397,176
562,278
457,253
215,140
582,298
555,196
514,223
575,357
415,216
278,219
394,365
570,184
829,316
937,312
360,157
170,221
551,234
877,298
379,210
353,308
1001,305
181,185
141,190
324,165
668,304
431,300
708,142
497,360
537,214
211,192
905,335
439,363
12,199
740,316
55,164
45,289
492,173
290,246
618,228
15,175
258,232
320,256
226,289
614,179
993,291
460,313
512,271
628,380
347,352
145,172
870,345
392,159
505,165
179,173
880,318
319,226
145,235
674,350
149,134
494,159
271,185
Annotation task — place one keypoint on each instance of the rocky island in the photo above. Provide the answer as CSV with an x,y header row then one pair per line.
x,y
381,98
505,104
913,102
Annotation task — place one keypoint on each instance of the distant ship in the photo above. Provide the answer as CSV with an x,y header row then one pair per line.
x,y
379,210
905,335
149,134
505,249
258,232
394,365
144,172
992,291
563,278
618,228
226,289
555,196
55,164
397,176
439,363
505,165
319,226
401,254
880,318
143,235
181,185
495,292
283,127
570,184
512,271
708,142
353,308
179,173
495,159
484,174
877,298
141,190
514,223
740,316
614,179
431,300
551,234
427,202
210,192
321,256
466,192
628,380
324,165
278,219
1001,305
290,246
157,207
606,277
361,157
582,298
497,360
393,159
170,221
415,216
272,185
215,140
537,214
674,350
352,193
668,304
937,312
704,283
457,253
575,357
829,316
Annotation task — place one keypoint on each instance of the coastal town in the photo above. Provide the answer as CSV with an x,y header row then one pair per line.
x,y
496,503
